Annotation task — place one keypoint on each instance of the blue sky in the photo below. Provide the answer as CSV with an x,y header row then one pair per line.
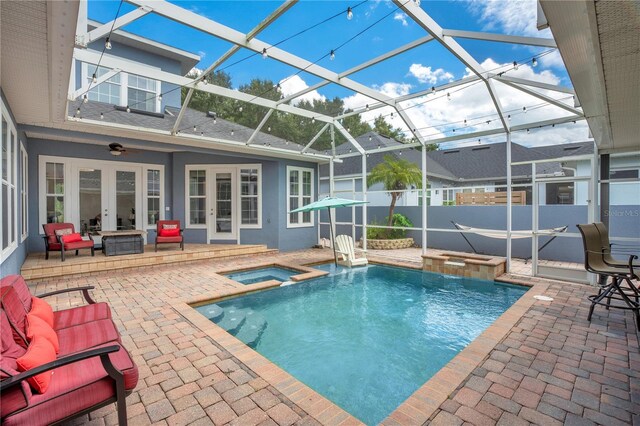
x,y
415,70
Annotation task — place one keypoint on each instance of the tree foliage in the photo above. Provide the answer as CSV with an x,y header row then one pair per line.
x,y
396,175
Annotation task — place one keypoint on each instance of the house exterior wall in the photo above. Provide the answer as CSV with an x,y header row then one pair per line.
x,y
12,263
169,97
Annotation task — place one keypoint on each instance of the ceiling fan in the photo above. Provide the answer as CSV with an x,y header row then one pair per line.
x,y
117,149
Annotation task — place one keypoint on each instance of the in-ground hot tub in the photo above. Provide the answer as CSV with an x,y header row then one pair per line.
x,y
465,265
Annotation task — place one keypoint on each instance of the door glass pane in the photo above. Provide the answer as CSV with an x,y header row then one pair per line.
x,y
4,153
223,203
5,219
90,201
125,200
197,211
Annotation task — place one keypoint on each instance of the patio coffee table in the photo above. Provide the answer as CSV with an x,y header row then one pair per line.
x,y
115,243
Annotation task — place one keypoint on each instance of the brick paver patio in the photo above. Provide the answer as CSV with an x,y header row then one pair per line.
x,y
552,367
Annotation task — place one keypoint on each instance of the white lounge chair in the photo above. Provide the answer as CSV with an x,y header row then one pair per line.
x,y
346,250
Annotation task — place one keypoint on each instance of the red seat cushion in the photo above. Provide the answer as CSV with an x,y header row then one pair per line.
x,y
169,232
38,327
42,309
39,352
80,315
71,238
75,387
16,314
51,228
76,245
177,239
85,336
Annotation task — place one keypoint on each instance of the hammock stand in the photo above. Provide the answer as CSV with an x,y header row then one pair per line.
x,y
491,233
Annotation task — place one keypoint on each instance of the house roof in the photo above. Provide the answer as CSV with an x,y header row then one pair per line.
x,y
471,163
205,124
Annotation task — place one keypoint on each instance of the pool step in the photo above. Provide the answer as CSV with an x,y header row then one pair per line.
x,y
232,320
212,312
252,329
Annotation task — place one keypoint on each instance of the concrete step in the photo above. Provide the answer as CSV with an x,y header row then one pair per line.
x,y
212,312
232,320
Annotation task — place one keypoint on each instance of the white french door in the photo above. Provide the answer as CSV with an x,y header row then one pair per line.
x,y
222,223
108,198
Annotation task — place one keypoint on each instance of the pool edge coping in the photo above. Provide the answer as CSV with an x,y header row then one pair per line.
x,y
417,408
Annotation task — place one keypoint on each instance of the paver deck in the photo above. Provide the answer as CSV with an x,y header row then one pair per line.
x,y
550,366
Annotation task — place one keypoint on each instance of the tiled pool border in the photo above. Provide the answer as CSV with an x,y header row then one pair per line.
x,y
416,409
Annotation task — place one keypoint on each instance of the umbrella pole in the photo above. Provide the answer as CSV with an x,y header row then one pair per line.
x,y
333,241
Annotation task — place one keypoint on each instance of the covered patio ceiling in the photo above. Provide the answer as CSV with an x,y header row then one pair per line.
x,y
562,107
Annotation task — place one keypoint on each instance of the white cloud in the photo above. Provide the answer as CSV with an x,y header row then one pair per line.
x,y
295,84
552,59
513,17
402,17
427,75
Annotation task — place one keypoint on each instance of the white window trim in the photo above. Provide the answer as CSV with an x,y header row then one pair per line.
x,y
145,199
12,165
210,168
124,86
70,186
24,192
311,223
260,189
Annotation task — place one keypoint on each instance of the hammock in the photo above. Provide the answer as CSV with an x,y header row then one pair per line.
x,y
494,233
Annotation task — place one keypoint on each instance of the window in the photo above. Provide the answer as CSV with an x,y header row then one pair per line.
x,y
24,214
108,91
141,93
560,193
197,197
54,192
250,196
428,194
623,174
153,196
299,193
8,182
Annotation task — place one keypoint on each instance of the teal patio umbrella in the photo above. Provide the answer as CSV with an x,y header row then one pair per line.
x,y
329,203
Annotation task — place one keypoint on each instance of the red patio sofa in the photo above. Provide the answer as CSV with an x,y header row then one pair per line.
x,y
91,370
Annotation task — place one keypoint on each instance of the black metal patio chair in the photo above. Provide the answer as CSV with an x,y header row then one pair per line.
x,y
610,290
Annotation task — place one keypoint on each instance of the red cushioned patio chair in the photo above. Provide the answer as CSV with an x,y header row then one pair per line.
x,y
55,235
169,231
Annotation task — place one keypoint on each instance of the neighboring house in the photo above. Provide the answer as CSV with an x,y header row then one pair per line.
x,y
226,195
482,168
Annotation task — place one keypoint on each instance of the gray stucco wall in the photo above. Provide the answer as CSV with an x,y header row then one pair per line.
x,y
13,263
165,64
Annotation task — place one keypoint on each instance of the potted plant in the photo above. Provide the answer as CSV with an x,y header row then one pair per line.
x,y
396,175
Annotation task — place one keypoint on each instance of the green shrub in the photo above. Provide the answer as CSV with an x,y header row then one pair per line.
x,y
389,234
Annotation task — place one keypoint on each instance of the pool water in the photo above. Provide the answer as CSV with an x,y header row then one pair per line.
x,y
262,274
365,338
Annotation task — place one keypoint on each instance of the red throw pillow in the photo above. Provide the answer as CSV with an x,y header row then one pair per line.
x,y
42,309
39,352
38,327
169,232
71,238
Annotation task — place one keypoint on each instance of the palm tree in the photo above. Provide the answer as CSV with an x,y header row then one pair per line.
x,y
396,175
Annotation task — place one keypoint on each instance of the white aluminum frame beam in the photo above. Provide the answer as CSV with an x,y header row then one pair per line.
x,y
501,38
314,139
201,23
84,89
544,98
144,71
349,138
229,53
431,26
104,29
533,83
257,129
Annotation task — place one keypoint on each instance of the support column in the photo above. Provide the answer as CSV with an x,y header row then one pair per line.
x,y
534,221
331,193
605,174
364,198
424,199
509,201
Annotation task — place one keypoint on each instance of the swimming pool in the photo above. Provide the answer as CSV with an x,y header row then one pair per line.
x,y
365,338
253,276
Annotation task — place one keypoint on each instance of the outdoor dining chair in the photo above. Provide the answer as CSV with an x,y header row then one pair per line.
x,y
610,278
